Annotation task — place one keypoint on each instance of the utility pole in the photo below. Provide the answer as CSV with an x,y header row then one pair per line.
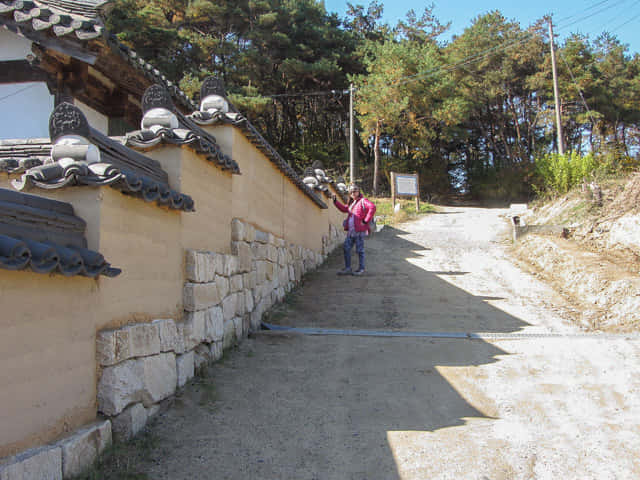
x,y
352,162
555,90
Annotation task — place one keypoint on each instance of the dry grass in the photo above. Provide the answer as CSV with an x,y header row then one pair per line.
x,y
387,215
628,200
121,460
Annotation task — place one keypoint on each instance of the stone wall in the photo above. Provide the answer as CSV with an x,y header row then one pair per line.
x,y
225,296
192,284
66,458
49,323
142,364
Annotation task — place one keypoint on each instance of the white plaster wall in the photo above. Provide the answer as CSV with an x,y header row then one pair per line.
x,y
25,107
25,110
97,120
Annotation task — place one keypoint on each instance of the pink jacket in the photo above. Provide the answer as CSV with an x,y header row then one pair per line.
x,y
362,210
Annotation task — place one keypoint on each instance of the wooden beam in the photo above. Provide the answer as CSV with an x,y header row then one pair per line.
x,y
20,71
102,78
126,76
76,76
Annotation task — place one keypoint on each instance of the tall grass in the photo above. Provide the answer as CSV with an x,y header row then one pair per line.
x,y
559,173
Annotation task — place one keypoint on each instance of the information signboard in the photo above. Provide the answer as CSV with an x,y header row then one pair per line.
x,y
405,185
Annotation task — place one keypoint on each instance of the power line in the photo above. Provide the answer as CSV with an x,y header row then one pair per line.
x,y
483,54
18,91
407,79
597,4
591,15
466,61
584,102
480,55
569,69
625,23
309,94
621,13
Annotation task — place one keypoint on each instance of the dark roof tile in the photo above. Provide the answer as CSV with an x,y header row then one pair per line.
x,y
81,18
63,17
45,236
19,254
120,168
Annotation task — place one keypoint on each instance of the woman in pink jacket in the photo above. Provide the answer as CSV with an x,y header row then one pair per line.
x,y
361,212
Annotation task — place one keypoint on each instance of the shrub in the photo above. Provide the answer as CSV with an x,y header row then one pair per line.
x,y
559,173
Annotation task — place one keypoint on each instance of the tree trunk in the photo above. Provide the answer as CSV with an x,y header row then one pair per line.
x,y
376,158
624,140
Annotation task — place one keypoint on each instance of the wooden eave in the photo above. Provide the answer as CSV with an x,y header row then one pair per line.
x,y
20,71
105,85
94,67
109,84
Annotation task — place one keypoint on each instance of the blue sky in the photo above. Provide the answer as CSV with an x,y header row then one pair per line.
x,y
588,17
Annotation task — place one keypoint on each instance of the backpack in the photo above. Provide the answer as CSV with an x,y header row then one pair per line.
x,y
373,228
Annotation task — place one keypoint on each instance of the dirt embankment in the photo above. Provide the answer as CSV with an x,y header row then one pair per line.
x,y
596,263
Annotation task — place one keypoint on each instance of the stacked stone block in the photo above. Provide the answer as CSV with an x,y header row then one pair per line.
x,y
144,364
141,365
333,238
65,459
261,270
225,297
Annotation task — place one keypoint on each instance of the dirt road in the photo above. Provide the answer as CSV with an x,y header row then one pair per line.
x,y
535,406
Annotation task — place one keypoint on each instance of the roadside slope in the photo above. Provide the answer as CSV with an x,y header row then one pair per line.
x,y
597,266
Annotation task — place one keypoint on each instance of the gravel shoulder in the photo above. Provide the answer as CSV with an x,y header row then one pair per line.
x,y
288,406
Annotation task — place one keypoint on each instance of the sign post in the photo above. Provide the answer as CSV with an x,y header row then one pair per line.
x,y
405,185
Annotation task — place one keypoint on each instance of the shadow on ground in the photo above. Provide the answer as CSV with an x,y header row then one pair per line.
x,y
394,293
288,406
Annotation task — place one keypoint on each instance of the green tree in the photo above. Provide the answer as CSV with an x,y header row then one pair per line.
x,y
480,106
399,96
496,64
264,50
616,95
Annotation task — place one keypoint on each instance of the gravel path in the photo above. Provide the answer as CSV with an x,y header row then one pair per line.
x,y
288,406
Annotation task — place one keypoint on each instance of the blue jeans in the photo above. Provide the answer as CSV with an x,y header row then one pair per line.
x,y
348,245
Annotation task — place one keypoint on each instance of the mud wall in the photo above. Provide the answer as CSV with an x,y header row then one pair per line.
x,y
50,323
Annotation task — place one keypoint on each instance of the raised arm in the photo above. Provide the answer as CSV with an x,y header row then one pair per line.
x,y
340,206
